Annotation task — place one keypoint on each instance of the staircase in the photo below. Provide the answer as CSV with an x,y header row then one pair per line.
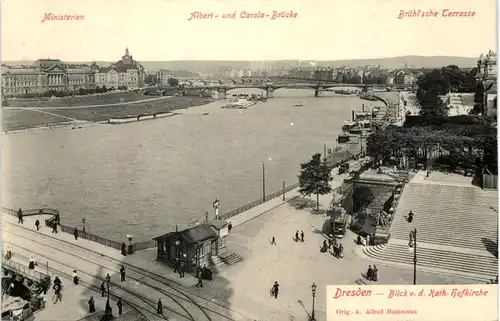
x,y
456,229
484,266
230,258
216,261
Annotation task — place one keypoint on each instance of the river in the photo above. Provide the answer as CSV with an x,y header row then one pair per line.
x,y
144,178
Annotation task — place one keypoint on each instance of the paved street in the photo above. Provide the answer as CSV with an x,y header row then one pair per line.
x,y
296,265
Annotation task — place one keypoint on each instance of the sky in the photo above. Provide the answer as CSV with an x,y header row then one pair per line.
x,y
159,30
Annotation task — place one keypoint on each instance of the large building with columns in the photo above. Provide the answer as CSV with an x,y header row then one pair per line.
x,y
45,75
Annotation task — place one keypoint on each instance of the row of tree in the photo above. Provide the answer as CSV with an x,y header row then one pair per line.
x,y
440,82
466,147
66,93
153,80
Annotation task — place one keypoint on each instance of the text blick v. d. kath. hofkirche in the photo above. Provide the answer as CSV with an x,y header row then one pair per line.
x,y
46,75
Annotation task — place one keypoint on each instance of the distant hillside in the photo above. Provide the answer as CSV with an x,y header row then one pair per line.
x,y
211,66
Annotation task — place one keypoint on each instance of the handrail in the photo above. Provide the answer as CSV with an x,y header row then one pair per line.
x,y
17,267
64,228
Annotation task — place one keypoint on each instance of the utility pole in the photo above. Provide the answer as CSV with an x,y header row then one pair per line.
x,y
263,182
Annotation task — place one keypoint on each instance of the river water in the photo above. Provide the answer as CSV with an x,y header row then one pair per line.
x,y
144,178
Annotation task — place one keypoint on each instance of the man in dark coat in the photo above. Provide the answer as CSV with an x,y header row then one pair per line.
x,y
91,305
275,290
124,249
120,306
369,273
410,217
75,233
20,216
54,226
122,273
103,289
302,236
200,280
159,308
37,224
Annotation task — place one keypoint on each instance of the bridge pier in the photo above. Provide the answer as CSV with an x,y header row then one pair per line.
x,y
316,92
200,92
270,92
181,92
222,94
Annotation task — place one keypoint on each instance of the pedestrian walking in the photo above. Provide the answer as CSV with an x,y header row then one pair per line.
x,y
176,265
120,306
37,224
230,227
75,233
302,236
200,280
410,217
57,294
275,289
20,216
75,277
108,278
32,262
54,226
181,270
103,289
369,273
57,281
91,305
159,308
124,249
297,235
122,273
375,273
273,241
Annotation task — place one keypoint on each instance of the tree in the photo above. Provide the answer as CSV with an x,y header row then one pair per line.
x,y
173,82
315,177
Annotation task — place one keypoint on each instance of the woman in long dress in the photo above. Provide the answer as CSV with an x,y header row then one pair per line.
x,y
31,265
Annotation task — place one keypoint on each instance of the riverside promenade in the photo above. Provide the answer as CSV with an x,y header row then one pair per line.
x,y
239,292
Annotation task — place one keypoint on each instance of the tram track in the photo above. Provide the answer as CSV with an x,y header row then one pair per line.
x,y
49,257
140,276
94,287
136,307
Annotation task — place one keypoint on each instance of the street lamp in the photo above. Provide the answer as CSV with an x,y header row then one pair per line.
x,y
263,181
83,222
313,289
412,247
108,310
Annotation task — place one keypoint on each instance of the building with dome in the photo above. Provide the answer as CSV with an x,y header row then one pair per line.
x,y
124,73
45,75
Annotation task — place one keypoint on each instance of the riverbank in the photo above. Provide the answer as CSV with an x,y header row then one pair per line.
x,y
23,119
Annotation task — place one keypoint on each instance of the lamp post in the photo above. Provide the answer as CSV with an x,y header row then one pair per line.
x,y
413,247
313,289
263,181
108,310
206,216
284,198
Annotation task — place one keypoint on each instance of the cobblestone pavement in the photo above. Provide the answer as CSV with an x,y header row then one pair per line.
x,y
296,265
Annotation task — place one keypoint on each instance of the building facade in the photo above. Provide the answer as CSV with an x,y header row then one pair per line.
x,y
124,73
45,75
162,77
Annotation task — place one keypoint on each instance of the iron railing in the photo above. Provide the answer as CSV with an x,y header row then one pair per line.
x,y
24,270
264,199
64,228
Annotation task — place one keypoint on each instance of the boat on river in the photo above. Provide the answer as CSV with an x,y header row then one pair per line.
x,y
299,104
239,103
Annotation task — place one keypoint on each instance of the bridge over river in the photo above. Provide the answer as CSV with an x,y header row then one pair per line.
x,y
222,89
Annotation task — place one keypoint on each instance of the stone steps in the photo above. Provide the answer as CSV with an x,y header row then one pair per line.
x,y
216,261
486,267
230,258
